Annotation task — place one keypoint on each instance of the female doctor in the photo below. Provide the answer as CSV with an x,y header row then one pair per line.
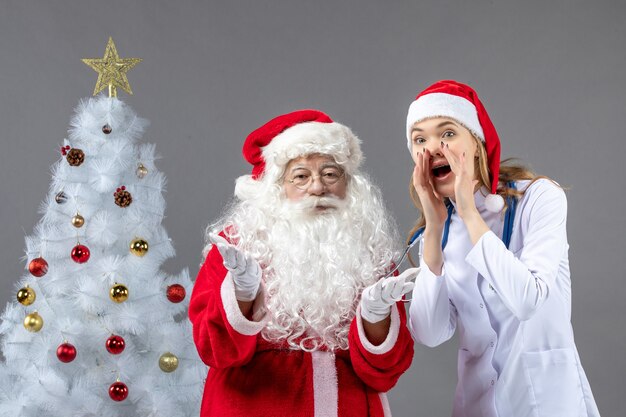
x,y
499,272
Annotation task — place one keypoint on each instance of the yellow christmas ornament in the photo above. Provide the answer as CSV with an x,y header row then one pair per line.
x,y
168,362
118,293
33,322
78,221
139,247
112,70
26,296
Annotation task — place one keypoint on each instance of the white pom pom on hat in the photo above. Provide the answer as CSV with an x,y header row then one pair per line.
x,y
449,98
494,203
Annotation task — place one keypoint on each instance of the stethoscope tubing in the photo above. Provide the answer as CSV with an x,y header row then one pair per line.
x,y
418,235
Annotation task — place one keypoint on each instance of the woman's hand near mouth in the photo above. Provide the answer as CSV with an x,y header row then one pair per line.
x,y
465,185
434,211
433,206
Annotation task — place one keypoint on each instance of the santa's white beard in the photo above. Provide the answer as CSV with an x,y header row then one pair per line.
x,y
316,262
317,269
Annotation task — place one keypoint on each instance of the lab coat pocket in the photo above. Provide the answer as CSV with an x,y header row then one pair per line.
x,y
554,383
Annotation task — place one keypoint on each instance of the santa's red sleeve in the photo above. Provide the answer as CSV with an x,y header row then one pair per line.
x,y
223,336
381,366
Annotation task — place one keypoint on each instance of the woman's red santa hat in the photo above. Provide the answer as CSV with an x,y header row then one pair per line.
x,y
303,132
460,102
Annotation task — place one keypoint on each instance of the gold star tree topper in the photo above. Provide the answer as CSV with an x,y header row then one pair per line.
x,y
111,70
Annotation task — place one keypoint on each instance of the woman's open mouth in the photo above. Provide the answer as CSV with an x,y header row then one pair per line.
x,y
441,172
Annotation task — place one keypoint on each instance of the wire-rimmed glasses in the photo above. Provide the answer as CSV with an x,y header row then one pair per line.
x,y
303,178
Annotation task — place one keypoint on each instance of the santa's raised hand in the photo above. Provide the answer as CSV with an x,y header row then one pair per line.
x,y
245,270
377,299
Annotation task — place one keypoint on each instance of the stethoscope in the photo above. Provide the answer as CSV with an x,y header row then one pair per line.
x,y
507,231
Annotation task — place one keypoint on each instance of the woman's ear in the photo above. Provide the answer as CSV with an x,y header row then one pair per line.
x,y
479,144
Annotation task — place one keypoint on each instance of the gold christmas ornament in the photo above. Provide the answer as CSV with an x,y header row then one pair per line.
x,y
168,362
142,171
118,293
26,296
139,247
78,220
33,322
112,70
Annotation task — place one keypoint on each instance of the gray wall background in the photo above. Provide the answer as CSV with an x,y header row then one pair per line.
x,y
550,73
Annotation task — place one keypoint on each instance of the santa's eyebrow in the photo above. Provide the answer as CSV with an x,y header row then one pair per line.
x,y
440,125
294,168
323,166
330,165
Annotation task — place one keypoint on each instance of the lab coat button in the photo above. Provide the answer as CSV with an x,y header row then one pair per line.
x,y
481,305
491,344
493,382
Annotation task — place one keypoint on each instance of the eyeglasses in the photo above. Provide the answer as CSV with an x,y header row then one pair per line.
x,y
303,178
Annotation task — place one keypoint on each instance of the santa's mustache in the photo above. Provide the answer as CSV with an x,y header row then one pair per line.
x,y
310,203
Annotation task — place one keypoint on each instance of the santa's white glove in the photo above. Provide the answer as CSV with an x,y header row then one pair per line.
x,y
377,299
245,270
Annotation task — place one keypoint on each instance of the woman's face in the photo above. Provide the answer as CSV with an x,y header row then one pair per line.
x,y
429,134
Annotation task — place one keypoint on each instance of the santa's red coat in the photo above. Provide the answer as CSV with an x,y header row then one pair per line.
x,y
251,377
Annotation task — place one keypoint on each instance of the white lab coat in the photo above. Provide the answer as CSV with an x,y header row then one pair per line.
x,y
512,307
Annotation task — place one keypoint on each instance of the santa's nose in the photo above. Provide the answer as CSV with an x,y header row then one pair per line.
x,y
316,187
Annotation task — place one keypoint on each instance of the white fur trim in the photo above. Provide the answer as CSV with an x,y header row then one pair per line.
x,y
237,320
385,402
308,138
246,187
325,385
392,337
494,203
443,105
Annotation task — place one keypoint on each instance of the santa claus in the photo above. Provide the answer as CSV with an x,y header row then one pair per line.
x,y
289,309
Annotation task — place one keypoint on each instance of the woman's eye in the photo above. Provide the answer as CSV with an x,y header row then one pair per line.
x,y
419,140
448,134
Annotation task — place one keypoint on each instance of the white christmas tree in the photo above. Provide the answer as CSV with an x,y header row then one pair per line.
x,y
98,329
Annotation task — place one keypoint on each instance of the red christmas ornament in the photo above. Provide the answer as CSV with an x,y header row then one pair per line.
x,y
80,254
66,352
38,267
176,293
118,391
64,149
115,344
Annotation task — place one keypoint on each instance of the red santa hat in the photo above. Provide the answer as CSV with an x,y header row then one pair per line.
x,y
303,132
448,98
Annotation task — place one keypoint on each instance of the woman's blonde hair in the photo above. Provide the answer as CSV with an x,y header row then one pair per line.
x,y
510,171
